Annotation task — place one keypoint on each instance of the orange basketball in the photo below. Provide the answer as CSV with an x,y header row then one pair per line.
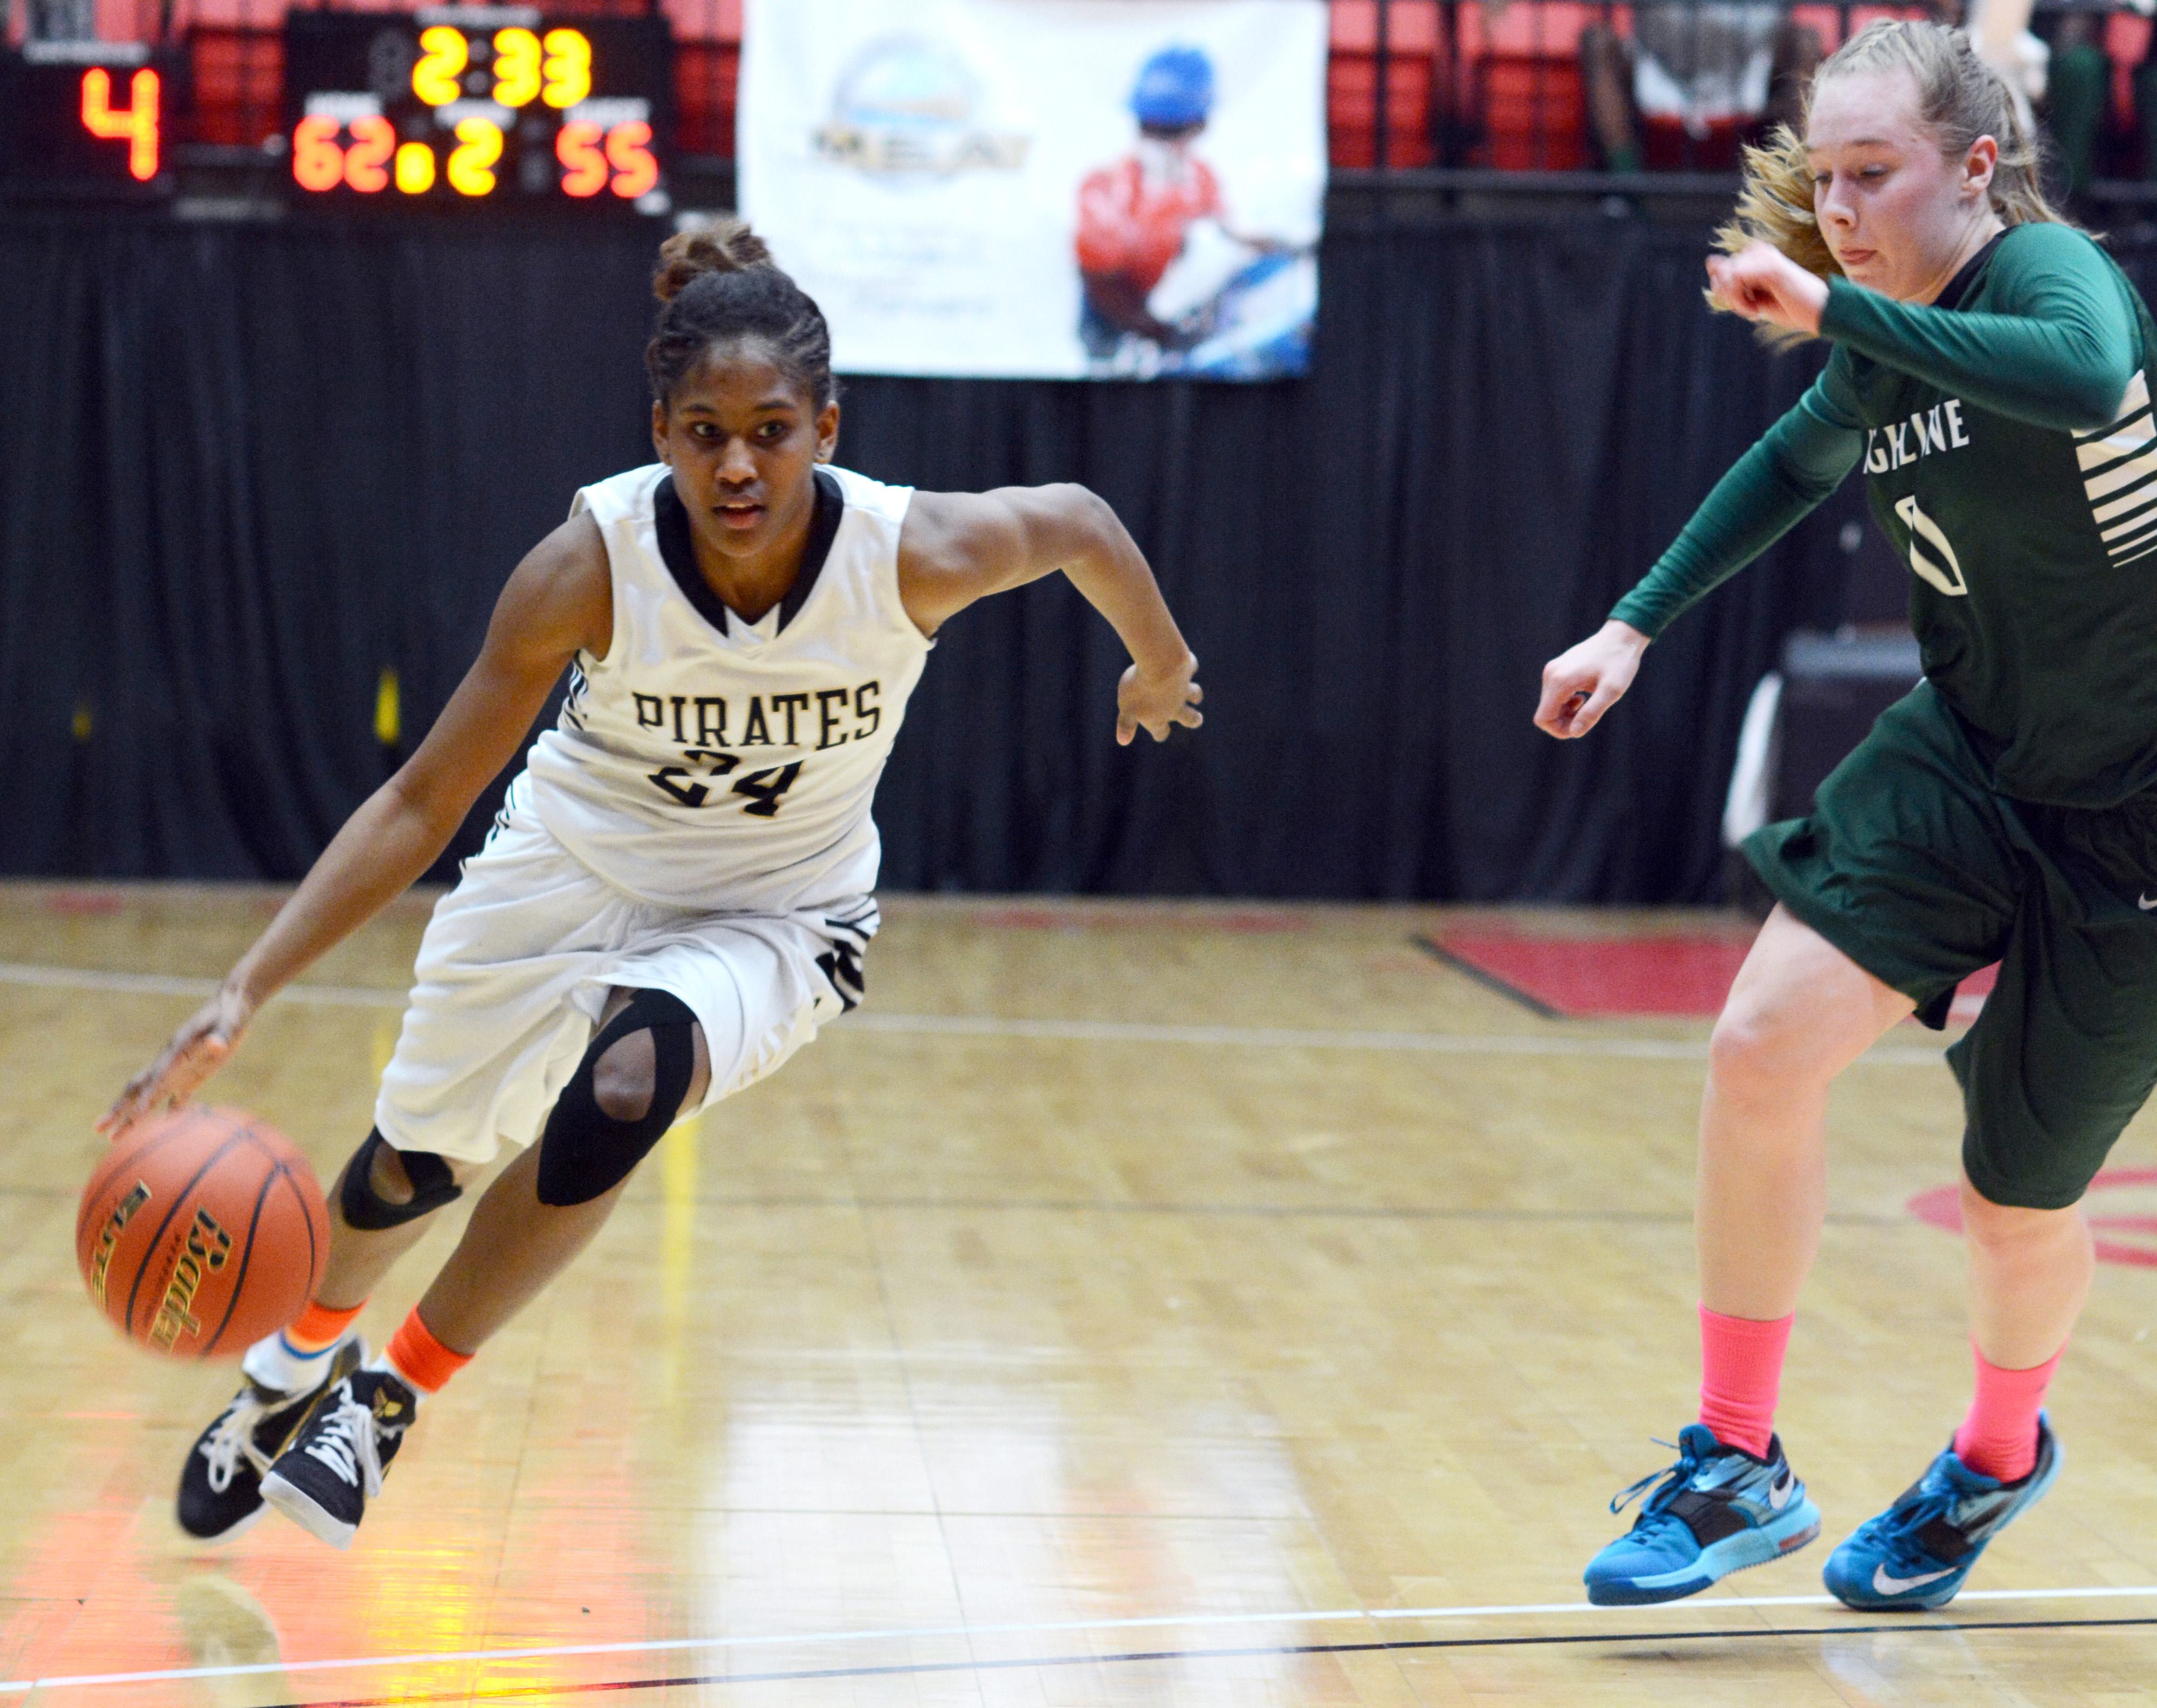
x,y
201,1231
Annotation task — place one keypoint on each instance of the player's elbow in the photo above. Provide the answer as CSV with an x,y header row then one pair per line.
x,y
2099,399
1063,526
1092,518
1077,509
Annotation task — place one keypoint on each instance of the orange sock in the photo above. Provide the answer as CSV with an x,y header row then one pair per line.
x,y
423,1362
320,1327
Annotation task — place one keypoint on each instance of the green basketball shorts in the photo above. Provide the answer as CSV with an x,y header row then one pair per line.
x,y
1913,867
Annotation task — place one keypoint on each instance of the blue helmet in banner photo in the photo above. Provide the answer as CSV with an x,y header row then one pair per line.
x,y
1175,89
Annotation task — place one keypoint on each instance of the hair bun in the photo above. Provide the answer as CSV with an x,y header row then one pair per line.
x,y
725,246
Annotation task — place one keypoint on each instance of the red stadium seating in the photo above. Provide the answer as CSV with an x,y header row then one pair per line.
x,y
238,79
707,74
1535,111
705,77
1412,83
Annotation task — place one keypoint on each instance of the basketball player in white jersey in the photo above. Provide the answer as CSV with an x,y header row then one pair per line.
x,y
676,893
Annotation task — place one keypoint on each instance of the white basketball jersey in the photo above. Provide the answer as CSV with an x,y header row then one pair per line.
x,y
710,763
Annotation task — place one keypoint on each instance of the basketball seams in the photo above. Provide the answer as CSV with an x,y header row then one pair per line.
x,y
246,1251
314,1244
118,1166
180,1198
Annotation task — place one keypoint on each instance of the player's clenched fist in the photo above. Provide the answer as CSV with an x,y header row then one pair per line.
x,y
1763,283
1157,700
1582,683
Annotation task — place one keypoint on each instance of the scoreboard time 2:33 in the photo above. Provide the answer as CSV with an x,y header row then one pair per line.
x,y
478,104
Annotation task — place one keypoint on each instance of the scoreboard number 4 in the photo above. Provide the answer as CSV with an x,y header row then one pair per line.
x,y
136,123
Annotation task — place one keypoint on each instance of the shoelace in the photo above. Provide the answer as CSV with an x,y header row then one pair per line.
x,y
234,1435
345,1443
1678,1475
1900,1526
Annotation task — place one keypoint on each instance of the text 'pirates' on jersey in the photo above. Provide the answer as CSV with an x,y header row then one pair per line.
x,y
712,764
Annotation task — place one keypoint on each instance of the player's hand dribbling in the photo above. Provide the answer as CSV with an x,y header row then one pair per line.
x,y
198,1050
1156,703
1762,283
1584,682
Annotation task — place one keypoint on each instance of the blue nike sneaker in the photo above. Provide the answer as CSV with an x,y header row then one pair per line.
x,y
1915,1555
1718,1510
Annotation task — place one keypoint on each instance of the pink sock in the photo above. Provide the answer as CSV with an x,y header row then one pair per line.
x,y
1999,1437
1741,1369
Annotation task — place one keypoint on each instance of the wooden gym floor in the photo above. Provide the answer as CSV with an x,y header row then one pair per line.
x,y
1180,1305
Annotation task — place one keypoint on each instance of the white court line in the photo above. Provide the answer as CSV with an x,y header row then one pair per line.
x,y
162,984
1106,1032
1188,1621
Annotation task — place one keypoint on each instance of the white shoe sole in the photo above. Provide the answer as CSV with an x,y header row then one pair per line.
x,y
293,1502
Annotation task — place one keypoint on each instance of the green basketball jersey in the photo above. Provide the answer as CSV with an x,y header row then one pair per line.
x,y
2032,549
2006,434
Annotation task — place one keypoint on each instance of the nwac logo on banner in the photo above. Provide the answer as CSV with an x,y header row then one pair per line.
x,y
905,108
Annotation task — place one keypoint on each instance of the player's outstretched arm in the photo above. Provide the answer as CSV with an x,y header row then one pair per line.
x,y
1584,682
559,599
959,547
1798,462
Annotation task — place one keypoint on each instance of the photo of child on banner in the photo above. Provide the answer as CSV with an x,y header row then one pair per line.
x,y
1043,188
1171,285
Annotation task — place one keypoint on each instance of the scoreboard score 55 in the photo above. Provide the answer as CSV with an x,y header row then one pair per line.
x,y
478,104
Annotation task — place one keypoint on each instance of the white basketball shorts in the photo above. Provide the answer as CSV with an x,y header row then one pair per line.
x,y
515,966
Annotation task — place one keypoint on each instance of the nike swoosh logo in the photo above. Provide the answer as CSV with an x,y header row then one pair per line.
x,y
1780,1490
2144,903
1896,1586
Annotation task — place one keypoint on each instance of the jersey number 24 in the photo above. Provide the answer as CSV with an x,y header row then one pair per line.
x,y
763,789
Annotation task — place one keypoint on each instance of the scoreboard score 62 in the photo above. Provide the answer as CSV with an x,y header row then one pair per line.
x,y
478,104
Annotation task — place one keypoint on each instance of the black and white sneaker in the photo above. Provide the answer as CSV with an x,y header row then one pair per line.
x,y
221,1484
321,1482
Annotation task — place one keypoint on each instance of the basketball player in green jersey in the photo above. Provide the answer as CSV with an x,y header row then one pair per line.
x,y
1989,373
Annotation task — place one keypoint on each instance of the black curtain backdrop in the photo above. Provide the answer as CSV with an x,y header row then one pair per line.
x,y
246,469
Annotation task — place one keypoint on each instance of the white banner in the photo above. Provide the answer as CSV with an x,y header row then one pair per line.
x,y
1043,188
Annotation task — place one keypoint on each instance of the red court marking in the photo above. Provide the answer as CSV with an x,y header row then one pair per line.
x,y
1674,974
1579,977
84,902
1134,918
1942,1208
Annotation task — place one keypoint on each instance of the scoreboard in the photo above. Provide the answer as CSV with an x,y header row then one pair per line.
x,y
465,104
87,117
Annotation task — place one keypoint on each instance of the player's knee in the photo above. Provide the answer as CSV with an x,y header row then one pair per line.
x,y
2007,1229
1749,1055
626,1092
383,1187
623,1082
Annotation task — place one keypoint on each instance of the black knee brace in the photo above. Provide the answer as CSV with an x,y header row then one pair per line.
x,y
584,1151
433,1186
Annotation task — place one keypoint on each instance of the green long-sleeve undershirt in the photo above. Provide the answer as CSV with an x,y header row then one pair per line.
x,y
2059,355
